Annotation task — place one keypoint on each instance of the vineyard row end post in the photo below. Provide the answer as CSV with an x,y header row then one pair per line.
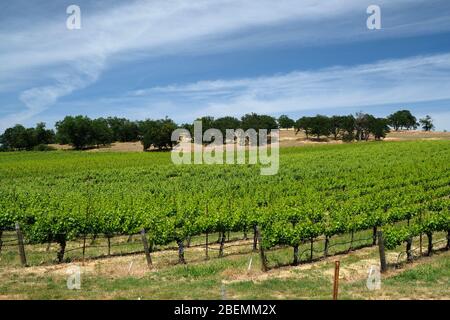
x,y
336,280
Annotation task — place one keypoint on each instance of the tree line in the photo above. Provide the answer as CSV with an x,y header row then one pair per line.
x,y
21,138
82,132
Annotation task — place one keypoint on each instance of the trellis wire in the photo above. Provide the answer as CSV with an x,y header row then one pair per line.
x,y
412,251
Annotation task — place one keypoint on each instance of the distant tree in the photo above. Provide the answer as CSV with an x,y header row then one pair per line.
x,y
268,122
15,138
225,123
304,123
285,122
342,126
116,125
81,131
348,127
21,138
123,129
102,134
367,124
129,132
402,119
43,135
207,123
189,127
320,126
30,138
378,127
362,125
335,126
157,133
257,122
427,123
149,132
76,131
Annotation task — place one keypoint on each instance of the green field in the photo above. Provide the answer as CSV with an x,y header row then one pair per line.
x,y
319,191
322,195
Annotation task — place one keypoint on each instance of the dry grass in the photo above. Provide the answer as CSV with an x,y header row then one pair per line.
x,y
129,277
288,138
418,135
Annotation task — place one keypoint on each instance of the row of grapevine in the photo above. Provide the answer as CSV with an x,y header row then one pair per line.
x,y
403,188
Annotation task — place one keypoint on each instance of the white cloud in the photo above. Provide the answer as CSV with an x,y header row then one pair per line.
x,y
419,83
153,25
37,99
158,25
417,79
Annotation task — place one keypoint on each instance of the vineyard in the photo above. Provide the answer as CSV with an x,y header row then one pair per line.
x,y
320,193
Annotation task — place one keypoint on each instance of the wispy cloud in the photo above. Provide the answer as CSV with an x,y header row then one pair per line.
x,y
161,25
423,78
37,99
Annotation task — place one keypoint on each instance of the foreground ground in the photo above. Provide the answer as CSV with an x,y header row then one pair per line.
x,y
236,276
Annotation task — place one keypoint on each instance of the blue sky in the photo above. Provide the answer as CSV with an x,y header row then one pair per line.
x,y
184,59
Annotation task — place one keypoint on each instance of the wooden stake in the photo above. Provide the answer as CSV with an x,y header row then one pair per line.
x,y
181,258
374,240
146,248
222,244
255,239
420,244
325,250
351,241
264,266
84,247
383,265
23,258
206,246
336,280
109,245
409,253
296,260
430,244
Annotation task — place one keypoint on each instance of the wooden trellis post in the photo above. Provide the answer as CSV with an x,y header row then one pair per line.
x,y
1,242
336,280
146,248
383,265
264,266
206,247
23,258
